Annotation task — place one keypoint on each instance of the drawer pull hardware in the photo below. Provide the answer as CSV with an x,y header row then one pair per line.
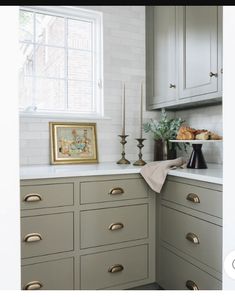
x,y
172,86
116,191
193,198
191,285
115,268
32,198
213,74
31,237
34,285
116,226
193,238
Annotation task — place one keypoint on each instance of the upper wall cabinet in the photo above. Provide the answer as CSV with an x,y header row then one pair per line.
x,y
183,56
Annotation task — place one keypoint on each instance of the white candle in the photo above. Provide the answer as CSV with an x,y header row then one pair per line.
x,y
123,110
141,110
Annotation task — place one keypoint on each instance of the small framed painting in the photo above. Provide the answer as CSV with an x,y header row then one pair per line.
x,y
73,143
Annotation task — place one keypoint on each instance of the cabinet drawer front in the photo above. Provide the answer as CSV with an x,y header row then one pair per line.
x,y
41,196
113,225
175,272
210,201
52,275
176,226
96,268
113,190
55,230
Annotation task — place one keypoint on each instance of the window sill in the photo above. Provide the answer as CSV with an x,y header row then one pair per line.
x,y
62,115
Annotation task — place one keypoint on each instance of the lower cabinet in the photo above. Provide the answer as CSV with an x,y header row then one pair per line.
x,y
115,233
189,235
50,275
179,274
117,267
103,237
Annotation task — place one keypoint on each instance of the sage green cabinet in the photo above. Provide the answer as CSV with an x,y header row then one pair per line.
x,y
46,234
161,49
198,50
178,274
116,267
87,233
113,225
183,56
189,235
50,275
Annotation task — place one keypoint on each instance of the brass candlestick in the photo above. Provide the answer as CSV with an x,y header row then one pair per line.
x,y
140,145
123,141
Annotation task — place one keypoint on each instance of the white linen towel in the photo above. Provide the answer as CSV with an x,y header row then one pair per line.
x,y
155,172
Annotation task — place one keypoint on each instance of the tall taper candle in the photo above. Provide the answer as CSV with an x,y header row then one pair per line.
x,y
123,110
141,110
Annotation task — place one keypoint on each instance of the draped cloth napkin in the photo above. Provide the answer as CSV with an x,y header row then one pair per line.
x,y
155,172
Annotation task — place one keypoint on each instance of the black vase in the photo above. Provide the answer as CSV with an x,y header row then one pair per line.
x,y
164,151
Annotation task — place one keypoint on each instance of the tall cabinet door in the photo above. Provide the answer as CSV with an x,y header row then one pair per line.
x,y
161,78
198,52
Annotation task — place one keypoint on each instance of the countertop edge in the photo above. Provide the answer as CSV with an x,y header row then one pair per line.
x,y
30,173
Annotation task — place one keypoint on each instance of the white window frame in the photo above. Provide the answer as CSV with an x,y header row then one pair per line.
x,y
80,14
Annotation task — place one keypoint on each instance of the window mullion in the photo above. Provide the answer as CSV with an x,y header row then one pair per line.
x,y
34,103
66,65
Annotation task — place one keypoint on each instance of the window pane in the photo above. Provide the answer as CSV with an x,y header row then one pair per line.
x,y
80,97
25,91
26,59
26,25
49,61
50,94
49,29
80,34
79,65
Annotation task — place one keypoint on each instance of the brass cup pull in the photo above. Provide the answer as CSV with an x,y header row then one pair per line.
x,y
193,238
116,191
172,86
211,74
34,285
32,237
191,285
32,197
193,198
116,226
115,268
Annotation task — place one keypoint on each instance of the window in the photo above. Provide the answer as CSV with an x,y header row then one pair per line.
x,y
60,61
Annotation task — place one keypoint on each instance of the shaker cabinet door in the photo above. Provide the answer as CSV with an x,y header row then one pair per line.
x,y
161,78
198,50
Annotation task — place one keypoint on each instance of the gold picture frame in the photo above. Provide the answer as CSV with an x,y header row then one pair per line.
x,y
73,143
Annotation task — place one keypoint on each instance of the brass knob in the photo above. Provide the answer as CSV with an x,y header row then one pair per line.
x,y
32,197
191,285
32,237
115,268
34,285
193,198
192,238
213,74
116,226
116,191
172,86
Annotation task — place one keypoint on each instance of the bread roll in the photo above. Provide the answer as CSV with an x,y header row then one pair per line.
x,y
185,133
203,136
214,136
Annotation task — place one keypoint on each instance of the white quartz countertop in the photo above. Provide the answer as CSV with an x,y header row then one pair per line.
x,y
212,174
